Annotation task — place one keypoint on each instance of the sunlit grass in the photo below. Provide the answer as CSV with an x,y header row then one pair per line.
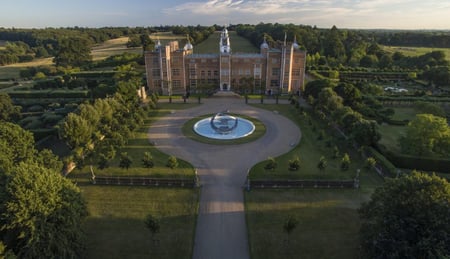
x,y
416,51
328,223
115,226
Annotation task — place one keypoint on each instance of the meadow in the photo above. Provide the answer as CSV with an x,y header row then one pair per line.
x,y
415,51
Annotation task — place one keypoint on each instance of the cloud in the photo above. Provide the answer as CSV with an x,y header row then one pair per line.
x,y
344,13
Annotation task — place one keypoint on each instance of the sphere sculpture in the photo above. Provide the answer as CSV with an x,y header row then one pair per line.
x,y
223,123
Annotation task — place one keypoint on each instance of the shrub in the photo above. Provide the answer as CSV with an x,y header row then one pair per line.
x,y
322,163
345,162
147,160
294,164
271,164
370,163
172,162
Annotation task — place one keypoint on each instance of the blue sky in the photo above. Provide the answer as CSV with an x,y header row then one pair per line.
x,y
387,14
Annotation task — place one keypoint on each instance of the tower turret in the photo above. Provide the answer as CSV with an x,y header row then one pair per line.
x,y
225,41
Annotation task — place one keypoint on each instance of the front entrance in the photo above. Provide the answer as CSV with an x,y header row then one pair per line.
x,y
225,87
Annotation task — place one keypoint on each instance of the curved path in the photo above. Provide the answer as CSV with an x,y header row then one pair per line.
x,y
221,229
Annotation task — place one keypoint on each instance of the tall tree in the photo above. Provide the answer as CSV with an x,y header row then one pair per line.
x,y
426,134
74,51
8,111
407,217
41,214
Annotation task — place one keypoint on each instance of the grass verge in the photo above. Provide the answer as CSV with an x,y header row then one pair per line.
x,y
115,226
328,223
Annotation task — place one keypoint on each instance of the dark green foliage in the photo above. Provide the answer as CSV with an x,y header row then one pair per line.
x,y
152,223
172,162
8,111
42,214
125,160
147,160
322,163
74,51
294,164
336,152
370,163
345,162
271,164
407,217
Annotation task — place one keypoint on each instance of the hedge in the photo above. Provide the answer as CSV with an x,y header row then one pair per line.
x,y
388,168
50,94
430,164
39,134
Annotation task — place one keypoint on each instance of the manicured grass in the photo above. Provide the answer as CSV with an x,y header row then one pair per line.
x,y
115,226
328,223
135,149
404,113
238,44
309,150
188,131
416,51
390,135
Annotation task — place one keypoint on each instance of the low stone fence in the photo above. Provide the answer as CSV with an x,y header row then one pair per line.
x,y
143,181
284,184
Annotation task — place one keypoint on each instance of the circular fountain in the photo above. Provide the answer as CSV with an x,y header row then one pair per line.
x,y
224,126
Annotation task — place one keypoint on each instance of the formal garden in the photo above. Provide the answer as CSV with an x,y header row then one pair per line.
x,y
370,115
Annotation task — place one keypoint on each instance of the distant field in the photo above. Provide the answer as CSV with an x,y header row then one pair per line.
x,y
416,51
166,37
111,48
238,44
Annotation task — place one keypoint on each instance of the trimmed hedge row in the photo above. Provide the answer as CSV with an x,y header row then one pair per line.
x,y
388,169
50,94
431,164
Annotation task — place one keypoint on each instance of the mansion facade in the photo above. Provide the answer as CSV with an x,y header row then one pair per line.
x,y
174,70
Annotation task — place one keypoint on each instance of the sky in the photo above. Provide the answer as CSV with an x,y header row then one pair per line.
x,y
362,14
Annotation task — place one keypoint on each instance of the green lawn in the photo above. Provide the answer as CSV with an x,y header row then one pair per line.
x,y
115,225
328,223
416,51
404,113
238,44
390,135
309,151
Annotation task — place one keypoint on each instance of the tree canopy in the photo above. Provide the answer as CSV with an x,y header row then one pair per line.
x,y
407,217
426,134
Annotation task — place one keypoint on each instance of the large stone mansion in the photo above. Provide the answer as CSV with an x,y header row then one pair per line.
x,y
172,70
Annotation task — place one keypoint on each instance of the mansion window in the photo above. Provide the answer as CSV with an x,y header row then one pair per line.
x,y
247,72
296,72
193,83
192,72
156,72
209,73
157,83
216,73
202,74
155,60
275,71
176,83
273,82
175,72
241,71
